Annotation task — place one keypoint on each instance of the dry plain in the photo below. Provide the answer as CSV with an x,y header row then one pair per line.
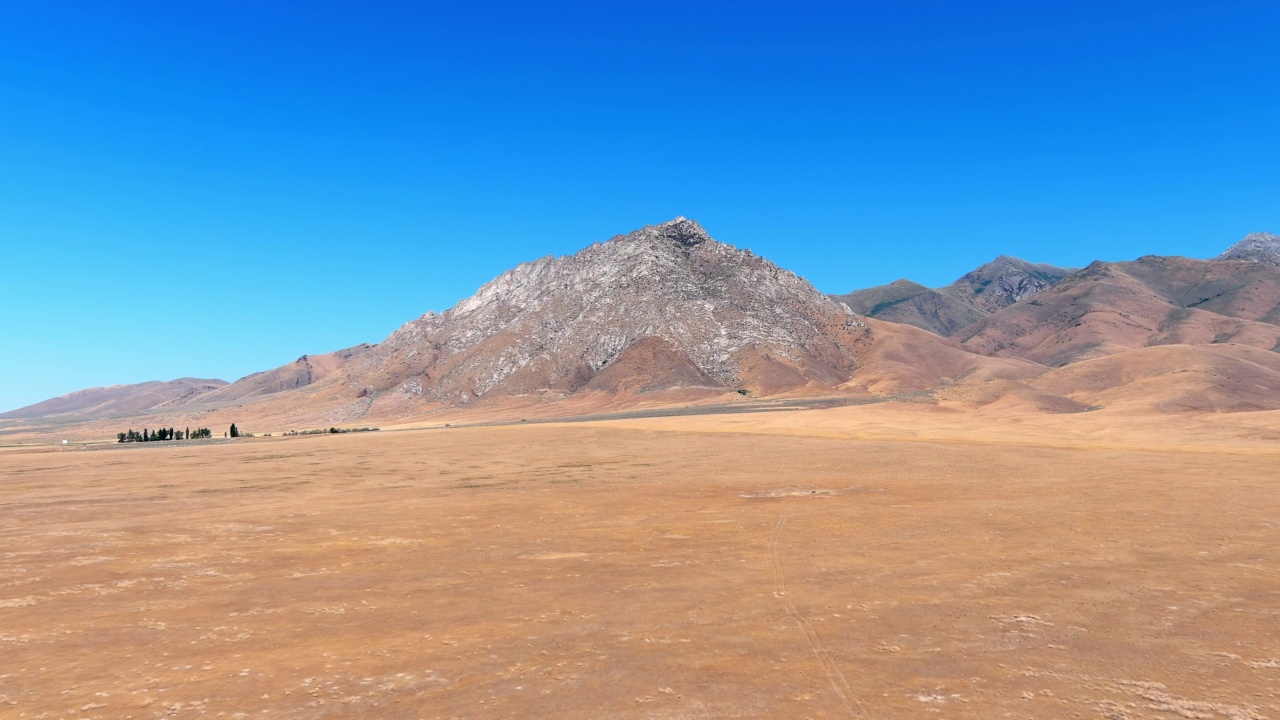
x,y
887,561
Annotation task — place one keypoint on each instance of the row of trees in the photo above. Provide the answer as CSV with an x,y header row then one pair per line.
x,y
163,434
331,431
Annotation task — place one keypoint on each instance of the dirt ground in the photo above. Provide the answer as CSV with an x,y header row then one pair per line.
x,y
865,562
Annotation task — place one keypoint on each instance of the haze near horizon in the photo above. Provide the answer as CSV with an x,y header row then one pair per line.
x,y
211,191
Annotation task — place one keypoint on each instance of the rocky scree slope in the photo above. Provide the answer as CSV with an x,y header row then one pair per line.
x,y
662,307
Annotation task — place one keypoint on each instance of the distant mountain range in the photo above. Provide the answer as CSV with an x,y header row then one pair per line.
x,y
666,314
949,310
121,399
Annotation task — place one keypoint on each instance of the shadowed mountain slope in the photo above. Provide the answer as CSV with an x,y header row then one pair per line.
x,y
948,311
903,301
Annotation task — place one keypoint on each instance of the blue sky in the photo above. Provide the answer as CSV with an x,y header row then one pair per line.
x,y
210,189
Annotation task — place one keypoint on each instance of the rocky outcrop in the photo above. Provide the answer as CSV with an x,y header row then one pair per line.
x,y
1256,247
1005,281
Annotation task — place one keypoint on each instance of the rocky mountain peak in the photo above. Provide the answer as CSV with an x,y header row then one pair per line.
x,y
1259,247
681,232
1006,280
703,313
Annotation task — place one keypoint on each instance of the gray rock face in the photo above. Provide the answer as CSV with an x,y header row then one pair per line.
x,y
1256,247
1006,280
706,312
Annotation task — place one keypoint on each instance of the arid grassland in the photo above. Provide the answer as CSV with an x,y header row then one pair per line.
x,y
873,562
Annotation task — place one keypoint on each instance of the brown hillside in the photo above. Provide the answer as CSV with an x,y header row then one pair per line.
x,y
1113,307
948,311
121,399
1173,378
896,358
302,372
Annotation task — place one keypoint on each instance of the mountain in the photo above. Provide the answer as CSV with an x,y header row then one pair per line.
x,y
1109,308
1257,247
663,308
950,310
121,399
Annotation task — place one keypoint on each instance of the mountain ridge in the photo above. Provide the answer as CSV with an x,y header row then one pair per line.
x,y
120,399
668,314
949,310
1112,307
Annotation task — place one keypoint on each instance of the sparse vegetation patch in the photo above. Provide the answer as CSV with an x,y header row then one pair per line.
x,y
331,431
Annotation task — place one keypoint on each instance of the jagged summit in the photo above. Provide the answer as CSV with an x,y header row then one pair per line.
x,y
680,231
1259,247
1006,280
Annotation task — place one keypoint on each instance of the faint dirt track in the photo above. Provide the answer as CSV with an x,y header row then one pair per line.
x,y
839,683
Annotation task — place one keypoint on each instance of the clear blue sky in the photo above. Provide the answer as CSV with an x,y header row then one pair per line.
x,y
214,188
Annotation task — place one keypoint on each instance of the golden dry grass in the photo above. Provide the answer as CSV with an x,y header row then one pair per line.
x,y
877,562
